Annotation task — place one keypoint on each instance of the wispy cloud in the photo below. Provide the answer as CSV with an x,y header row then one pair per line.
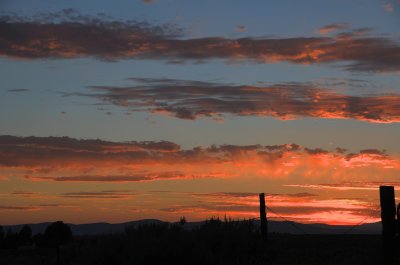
x,y
388,7
18,208
332,28
241,28
113,178
186,99
346,186
69,34
107,194
18,90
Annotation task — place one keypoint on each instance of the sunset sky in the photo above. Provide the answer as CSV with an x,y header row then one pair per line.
x,y
133,109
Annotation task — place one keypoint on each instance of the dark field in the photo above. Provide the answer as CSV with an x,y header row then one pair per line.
x,y
215,242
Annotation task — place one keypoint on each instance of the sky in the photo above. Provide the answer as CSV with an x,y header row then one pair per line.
x,y
135,109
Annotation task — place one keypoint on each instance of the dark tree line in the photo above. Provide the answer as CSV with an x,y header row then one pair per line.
x,y
11,239
55,235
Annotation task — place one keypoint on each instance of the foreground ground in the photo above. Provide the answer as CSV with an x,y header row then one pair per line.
x,y
215,242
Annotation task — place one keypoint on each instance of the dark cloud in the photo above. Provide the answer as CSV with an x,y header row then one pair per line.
x,y
341,150
301,194
18,90
223,207
84,145
376,152
25,151
18,208
235,195
25,193
316,151
68,34
108,178
193,99
283,205
98,195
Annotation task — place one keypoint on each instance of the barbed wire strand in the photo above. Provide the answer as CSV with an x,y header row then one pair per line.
x,y
286,220
363,221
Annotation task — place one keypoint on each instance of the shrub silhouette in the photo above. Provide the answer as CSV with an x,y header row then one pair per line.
x,y
57,234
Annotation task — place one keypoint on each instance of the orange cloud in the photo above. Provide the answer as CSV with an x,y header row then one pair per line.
x,y
68,34
193,99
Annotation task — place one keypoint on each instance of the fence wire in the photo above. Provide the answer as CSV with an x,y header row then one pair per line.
x,y
347,231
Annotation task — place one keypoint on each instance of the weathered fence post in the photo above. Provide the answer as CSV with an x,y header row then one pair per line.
x,y
388,213
263,218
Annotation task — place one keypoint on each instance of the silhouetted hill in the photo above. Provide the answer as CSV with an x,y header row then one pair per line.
x,y
273,227
298,228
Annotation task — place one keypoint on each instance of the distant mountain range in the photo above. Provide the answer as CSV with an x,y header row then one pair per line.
x,y
273,227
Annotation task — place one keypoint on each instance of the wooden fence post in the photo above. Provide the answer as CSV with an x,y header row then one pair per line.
x,y
263,218
388,213
398,220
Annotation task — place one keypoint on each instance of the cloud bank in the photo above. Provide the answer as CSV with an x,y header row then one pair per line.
x,y
64,159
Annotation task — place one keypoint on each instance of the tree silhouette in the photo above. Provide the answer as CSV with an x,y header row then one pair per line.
x,y
25,235
182,220
58,234
1,236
